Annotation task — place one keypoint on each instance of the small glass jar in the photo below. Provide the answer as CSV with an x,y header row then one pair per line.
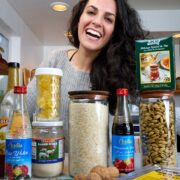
x,y
47,149
88,130
157,126
48,84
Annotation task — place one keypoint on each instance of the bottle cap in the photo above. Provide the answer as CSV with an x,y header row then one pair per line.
x,y
14,64
47,124
49,71
20,89
122,91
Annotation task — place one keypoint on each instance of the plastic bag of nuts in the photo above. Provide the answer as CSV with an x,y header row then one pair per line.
x,y
157,126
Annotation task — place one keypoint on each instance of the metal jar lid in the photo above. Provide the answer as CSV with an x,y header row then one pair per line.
x,y
97,95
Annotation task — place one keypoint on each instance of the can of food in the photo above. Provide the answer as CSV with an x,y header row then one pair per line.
x,y
48,99
157,127
47,149
88,130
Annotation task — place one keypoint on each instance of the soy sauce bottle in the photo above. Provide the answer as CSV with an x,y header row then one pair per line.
x,y
122,134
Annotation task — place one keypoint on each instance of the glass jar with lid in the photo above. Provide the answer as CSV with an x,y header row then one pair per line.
x,y
157,126
88,130
47,148
48,84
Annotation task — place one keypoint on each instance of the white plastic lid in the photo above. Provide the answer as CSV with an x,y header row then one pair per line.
x,y
48,71
49,123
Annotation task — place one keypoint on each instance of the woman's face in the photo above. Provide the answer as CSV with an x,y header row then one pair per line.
x,y
96,24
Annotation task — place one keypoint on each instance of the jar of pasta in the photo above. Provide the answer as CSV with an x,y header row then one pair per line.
x,y
48,100
157,126
88,130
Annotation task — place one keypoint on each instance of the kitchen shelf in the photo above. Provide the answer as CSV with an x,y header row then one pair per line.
x,y
177,92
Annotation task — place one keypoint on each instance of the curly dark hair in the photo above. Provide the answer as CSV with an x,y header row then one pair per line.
x,y
115,66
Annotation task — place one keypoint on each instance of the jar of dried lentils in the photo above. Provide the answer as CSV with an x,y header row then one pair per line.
x,y
157,126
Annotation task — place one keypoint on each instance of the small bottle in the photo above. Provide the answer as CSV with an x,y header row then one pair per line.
x,y
13,75
122,134
18,150
6,108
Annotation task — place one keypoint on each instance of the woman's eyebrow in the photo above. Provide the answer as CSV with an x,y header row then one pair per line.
x,y
95,8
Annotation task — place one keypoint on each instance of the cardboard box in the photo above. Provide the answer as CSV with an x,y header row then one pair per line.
x,y
155,64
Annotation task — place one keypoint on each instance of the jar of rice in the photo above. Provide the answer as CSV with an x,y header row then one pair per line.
x,y
88,130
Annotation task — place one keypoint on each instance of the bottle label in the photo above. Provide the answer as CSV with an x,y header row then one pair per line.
x,y
3,127
18,158
47,150
123,152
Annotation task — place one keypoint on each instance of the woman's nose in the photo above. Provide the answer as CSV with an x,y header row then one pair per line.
x,y
97,20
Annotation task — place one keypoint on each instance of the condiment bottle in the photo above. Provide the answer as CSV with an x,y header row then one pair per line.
x,y
157,127
88,130
122,134
6,108
13,75
18,149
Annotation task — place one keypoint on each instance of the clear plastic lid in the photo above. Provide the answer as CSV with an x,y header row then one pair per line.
x,y
49,71
50,124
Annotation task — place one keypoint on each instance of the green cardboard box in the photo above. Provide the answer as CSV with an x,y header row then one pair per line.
x,y
155,64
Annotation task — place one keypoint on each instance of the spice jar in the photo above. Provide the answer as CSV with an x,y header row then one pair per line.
x,y
47,148
48,82
88,130
157,126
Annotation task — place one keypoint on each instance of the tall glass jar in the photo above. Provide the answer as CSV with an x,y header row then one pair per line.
x,y
48,84
157,126
88,130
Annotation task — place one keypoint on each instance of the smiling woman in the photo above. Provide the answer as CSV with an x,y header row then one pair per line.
x,y
103,33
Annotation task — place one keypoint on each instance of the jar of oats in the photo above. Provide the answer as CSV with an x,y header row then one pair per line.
x,y
88,130
48,84
157,126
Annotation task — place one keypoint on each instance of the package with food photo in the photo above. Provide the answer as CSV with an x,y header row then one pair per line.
x,y
155,64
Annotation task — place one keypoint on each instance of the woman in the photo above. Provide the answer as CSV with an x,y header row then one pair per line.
x,y
103,34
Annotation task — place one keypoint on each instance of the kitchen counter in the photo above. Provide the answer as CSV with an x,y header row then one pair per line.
x,y
65,176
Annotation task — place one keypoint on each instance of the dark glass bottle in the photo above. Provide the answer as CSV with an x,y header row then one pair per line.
x,y
122,134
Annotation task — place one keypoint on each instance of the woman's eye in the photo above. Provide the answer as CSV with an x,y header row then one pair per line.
x,y
109,20
91,12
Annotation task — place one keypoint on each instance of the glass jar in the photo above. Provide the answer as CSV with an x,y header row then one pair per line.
x,y
157,126
48,84
47,148
88,130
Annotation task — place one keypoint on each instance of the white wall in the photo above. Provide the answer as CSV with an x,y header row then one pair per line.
x,y
23,45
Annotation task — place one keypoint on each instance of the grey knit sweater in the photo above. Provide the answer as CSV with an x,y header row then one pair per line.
x,y
72,80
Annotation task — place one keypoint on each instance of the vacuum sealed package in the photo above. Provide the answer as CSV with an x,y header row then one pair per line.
x,y
154,172
155,64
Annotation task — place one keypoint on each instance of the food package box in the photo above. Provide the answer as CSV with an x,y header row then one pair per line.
x,y
153,172
155,64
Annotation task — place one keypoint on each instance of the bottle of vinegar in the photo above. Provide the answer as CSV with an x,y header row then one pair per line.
x,y
18,151
6,108
122,134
